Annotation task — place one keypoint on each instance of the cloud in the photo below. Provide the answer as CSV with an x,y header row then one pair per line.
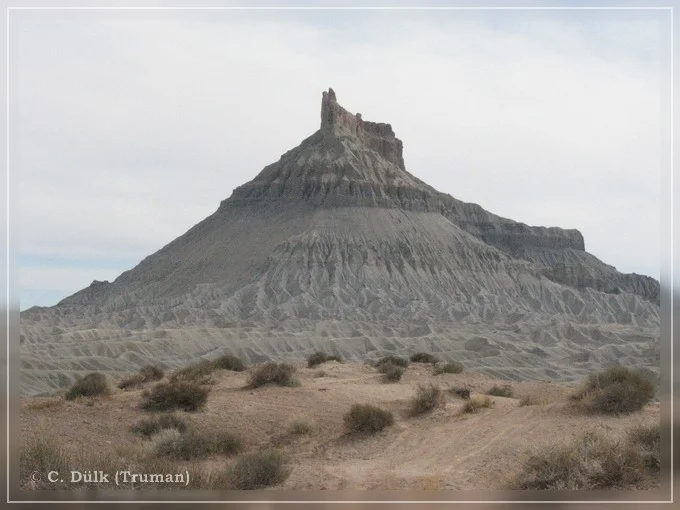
x,y
128,131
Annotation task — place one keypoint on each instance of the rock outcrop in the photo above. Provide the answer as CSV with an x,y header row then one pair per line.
x,y
337,246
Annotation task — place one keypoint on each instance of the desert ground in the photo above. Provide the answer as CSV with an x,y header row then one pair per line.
x,y
440,450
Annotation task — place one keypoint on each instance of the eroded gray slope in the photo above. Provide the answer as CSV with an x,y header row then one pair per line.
x,y
336,246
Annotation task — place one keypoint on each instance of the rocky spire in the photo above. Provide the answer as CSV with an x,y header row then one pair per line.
x,y
375,135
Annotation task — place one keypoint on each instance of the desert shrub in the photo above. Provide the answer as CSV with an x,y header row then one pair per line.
x,y
151,373
229,362
591,462
424,357
392,372
367,419
152,426
89,386
194,445
321,357
500,391
258,470
146,374
180,395
42,455
426,399
300,428
394,360
199,373
462,392
646,439
532,400
131,381
281,374
452,367
616,390
320,373
476,403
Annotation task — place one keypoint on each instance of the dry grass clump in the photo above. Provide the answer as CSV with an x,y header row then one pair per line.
x,y
426,399
43,455
616,390
281,374
392,372
300,428
365,418
172,444
393,360
180,395
258,470
424,357
595,461
152,426
229,362
146,374
452,367
91,385
321,357
476,403
532,399
500,391
198,373
38,405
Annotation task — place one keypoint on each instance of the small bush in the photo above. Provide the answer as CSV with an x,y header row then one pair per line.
x,y
229,362
146,374
321,357
500,391
476,403
199,373
281,374
448,368
427,398
393,360
151,373
591,462
364,418
149,427
463,393
532,400
258,470
131,382
300,428
43,455
89,386
392,373
193,445
167,397
617,390
424,357
646,439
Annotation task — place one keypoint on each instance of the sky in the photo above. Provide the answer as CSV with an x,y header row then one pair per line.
x,y
127,128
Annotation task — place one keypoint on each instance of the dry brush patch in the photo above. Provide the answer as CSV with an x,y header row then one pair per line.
x,y
174,396
427,399
146,374
92,385
368,419
280,374
453,367
475,403
320,357
198,373
616,390
595,461
392,360
424,357
229,362
151,426
258,470
193,444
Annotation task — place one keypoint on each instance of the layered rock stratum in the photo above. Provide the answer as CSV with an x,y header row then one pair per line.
x,y
338,247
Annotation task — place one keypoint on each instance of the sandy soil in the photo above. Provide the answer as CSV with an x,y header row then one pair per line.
x,y
441,450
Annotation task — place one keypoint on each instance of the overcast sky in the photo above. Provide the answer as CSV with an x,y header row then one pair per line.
x,y
127,128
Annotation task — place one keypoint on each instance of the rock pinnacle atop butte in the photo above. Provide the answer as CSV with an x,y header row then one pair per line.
x,y
336,246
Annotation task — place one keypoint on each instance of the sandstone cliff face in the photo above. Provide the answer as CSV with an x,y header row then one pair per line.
x,y
337,247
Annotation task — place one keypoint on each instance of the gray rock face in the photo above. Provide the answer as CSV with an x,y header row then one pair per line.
x,y
337,247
